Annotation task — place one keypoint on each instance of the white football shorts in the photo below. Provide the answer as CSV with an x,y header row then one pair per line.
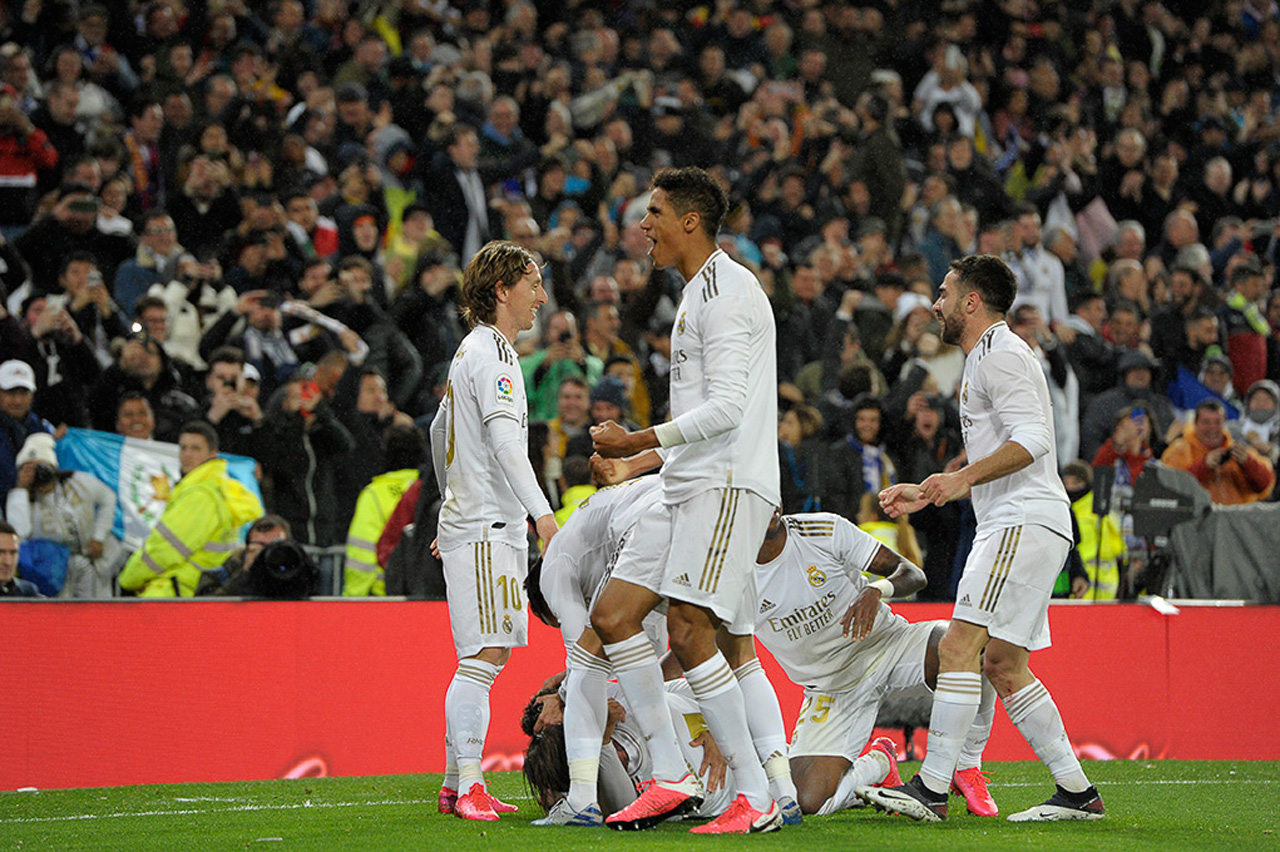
x,y
1008,580
839,724
485,587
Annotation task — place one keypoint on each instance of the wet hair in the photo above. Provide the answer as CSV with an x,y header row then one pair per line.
x,y
989,277
692,190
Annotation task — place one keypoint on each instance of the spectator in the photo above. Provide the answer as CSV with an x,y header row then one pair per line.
x,y
1093,358
1135,390
366,410
600,335
573,415
11,585
25,153
1041,279
857,463
89,302
799,457
255,327
156,262
200,525
134,417
17,420
230,405
303,443
1231,472
70,508
1259,428
562,355
404,448
69,228
64,364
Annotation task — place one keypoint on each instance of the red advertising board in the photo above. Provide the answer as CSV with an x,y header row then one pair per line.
x,y
131,692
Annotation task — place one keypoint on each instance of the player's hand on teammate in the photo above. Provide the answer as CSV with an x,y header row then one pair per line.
x,y
861,617
547,528
902,499
713,763
941,488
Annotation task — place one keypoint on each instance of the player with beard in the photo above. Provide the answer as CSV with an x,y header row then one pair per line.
x,y
1024,534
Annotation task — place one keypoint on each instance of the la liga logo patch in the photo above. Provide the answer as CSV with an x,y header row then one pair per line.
x,y
506,387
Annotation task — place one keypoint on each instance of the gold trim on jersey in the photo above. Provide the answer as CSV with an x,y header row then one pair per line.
x,y
813,528
484,587
1000,570
714,564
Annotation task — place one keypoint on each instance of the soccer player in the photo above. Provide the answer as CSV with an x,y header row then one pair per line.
x,y
479,441
561,588
625,760
832,633
1024,534
720,484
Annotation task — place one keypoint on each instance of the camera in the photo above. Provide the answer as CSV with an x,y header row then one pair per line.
x,y
230,384
566,336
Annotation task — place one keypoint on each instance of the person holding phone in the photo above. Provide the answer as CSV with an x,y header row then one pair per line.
x,y
25,151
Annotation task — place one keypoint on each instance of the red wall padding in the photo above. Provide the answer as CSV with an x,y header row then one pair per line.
x,y
130,692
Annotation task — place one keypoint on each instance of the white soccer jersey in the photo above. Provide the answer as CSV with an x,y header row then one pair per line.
x,y
804,593
578,559
1004,397
724,386
484,382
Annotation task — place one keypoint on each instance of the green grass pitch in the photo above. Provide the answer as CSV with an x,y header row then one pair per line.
x,y
1155,805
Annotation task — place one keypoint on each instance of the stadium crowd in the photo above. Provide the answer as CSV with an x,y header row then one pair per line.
x,y
254,215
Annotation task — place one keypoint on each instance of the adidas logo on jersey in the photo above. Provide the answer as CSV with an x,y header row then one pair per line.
x,y
766,605
682,580
964,601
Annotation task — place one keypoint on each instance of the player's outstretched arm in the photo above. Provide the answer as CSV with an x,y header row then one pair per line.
x,y
902,499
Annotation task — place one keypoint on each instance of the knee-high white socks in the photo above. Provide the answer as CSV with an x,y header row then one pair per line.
x,y
720,698
466,717
955,706
585,717
768,735
1036,716
636,666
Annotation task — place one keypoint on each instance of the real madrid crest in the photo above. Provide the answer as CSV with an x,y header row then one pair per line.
x,y
680,324
506,624
816,577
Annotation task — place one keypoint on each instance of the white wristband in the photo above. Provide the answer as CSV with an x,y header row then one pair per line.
x,y
883,586
668,434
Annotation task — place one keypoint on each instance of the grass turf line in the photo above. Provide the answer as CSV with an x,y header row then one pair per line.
x,y
1155,805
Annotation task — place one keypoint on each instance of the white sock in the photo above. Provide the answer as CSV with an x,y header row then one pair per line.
x,y
585,716
980,731
636,667
1033,711
955,704
450,764
720,698
768,735
466,718
863,772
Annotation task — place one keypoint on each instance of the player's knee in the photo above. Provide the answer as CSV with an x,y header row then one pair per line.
x,y
956,653
1006,673
811,795
611,625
